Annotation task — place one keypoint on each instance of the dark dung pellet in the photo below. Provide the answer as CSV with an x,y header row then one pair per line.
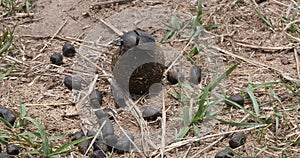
x,y
83,146
8,114
226,153
237,140
68,50
150,114
99,145
110,113
77,135
72,83
12,149
56,59
107,127
97,154
237,99
134,38
124,144
96,99
100,114
110,141
174,77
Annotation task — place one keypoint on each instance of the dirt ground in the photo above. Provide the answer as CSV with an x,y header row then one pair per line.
x,y
264,53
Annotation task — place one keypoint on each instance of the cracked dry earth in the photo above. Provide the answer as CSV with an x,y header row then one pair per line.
x,y
39,84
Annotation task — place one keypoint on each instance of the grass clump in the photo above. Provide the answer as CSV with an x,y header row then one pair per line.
x,y
31,136
10,7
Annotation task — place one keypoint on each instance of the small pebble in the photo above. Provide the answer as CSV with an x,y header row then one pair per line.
x,y
72,83
195,75
77,135
8,114
124,144
226,153
150,114
96,99
97,154
12,149
68,50
237,99
174,77
56,59
237,140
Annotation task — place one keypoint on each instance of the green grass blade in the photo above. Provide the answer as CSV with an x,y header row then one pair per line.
x,y
46,149
8,43
264,85
199,12
6,122
245,125
22,111
65,147
249,91
207,89
186,116
183,133
57,137
239,106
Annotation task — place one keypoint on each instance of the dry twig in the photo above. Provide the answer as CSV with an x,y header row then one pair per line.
x,y
263,47
59,29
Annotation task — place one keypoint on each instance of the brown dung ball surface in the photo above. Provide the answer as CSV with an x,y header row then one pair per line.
x,y
138,68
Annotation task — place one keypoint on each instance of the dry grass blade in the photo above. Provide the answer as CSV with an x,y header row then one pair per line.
x,y
91,87
106,4
94,139
263,47
113,28
195,139
297,63
163,127
58,30
131,141
257,64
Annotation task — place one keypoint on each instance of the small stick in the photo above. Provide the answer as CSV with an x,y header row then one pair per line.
x,y
263,47
110,3
59,29
176,59
297,63
208,147
49,104
277,2
295,38
163,126
112,27
131,141
94,139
